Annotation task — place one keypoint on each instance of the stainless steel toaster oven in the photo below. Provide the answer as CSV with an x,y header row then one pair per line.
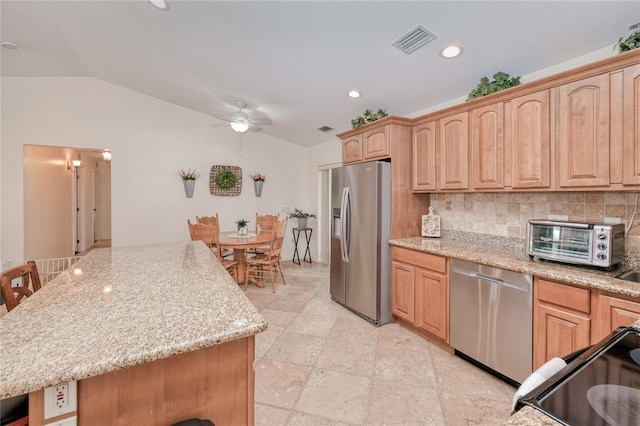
x,y
580,243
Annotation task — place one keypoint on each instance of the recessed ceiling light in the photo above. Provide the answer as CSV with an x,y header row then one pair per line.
x,y
354,94
9,45
160,4
451,51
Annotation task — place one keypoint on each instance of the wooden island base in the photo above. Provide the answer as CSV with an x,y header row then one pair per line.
x,y
215,383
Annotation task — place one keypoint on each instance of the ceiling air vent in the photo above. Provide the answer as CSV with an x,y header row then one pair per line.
x,y
414,39
325,129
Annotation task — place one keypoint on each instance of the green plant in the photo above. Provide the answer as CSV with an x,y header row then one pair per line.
x,y
189,175
226,179
299,213
241,223
501,81
631,42
367,117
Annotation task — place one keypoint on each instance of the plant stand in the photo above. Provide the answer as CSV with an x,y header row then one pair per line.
x,y
296,236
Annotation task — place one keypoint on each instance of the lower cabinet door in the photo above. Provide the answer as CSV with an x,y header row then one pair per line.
x,y
559,332
402,291
432,303
613,313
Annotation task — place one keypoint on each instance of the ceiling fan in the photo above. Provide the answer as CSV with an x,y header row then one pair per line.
x,y
240,121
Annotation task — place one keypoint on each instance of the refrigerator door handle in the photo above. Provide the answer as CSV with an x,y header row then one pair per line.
x,y
345,211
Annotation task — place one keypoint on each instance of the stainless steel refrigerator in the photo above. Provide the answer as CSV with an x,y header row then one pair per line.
x,y
360,231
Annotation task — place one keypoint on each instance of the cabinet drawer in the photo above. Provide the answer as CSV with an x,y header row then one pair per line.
x,y
575,298
424,260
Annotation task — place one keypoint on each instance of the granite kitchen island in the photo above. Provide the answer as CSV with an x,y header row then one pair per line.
x,y
153,335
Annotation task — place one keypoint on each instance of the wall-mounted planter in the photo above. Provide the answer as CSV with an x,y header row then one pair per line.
x,y
257,185
189,184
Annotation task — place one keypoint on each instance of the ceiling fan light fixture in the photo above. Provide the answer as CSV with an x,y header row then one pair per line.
x,y
239,126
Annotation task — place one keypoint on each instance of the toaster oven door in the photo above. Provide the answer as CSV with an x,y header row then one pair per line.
x,y
561,242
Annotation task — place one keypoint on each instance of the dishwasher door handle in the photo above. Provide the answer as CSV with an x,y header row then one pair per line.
x,y
497,281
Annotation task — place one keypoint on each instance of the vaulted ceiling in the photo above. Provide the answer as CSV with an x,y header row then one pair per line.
x,y
294,61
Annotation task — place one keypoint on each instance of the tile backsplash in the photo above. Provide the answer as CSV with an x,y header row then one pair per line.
x,y
505,214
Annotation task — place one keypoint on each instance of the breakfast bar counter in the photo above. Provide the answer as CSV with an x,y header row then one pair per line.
x,y
142,322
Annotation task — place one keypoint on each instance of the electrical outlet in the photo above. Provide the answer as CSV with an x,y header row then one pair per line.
x,y
69,421
60,399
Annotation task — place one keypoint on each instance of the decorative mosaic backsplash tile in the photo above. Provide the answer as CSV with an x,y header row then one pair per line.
x,y
505,214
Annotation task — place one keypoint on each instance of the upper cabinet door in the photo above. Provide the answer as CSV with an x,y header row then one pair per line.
x,y
487,147
529,131
454,152
375,143
631,126
424,157
582,138
352,149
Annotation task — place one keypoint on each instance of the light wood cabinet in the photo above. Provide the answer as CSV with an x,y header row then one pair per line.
x,y
402,291
529,133
420,290
562,320
375,143
487,147
370,145
390,139
453,152
432,303
424,157
582,133
614,312
631,126
352,149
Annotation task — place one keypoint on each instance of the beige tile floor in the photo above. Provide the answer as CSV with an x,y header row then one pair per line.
x,y
320,364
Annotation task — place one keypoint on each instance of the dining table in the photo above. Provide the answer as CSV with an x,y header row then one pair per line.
x,y
240,244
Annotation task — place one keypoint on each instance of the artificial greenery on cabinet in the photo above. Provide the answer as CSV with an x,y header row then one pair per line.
x,y
501,81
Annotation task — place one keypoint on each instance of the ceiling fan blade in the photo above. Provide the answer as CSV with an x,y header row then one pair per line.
x,y
222,117
260,121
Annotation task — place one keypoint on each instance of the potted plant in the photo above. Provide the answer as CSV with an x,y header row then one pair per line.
x,y
242,226
189,180
301,217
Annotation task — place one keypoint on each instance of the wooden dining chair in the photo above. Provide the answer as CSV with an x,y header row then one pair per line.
x,y
210,235
264,223
213,220
268,263
208,220
28,272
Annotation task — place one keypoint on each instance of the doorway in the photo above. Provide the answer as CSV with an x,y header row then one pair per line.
x,y
67,206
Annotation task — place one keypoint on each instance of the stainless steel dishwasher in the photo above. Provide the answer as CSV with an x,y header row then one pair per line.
x,y
491,318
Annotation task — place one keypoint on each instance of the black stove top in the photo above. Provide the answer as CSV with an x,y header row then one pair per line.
x,y
600,387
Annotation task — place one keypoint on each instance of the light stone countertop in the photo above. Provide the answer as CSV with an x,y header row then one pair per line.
x,y
515,259
509,256
120,307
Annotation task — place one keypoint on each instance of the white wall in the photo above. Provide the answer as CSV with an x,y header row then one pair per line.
x,y
150,140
